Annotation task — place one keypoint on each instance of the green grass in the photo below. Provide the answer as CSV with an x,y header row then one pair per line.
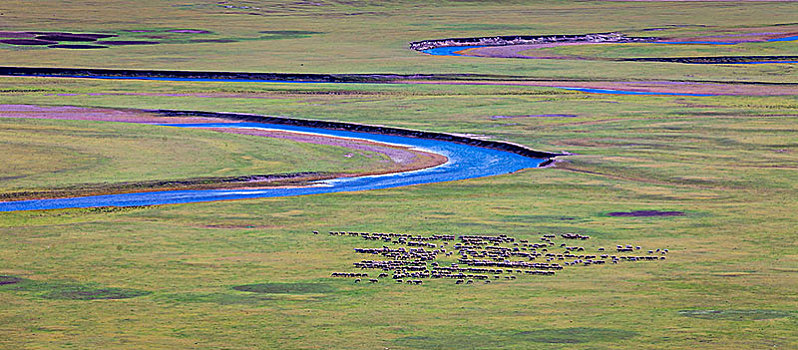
x,y
65,290
356,39
682,50
285,288
727,162
43,154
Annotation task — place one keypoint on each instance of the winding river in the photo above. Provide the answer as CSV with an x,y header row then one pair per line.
x,y
464,162
463,50
242,80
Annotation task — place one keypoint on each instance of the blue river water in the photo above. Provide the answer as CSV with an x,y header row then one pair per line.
x,y
449,50
452,51
464,162
628,92
593,91
789,38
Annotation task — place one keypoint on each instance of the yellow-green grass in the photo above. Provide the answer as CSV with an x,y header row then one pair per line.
x,y
40,154
373,37
727,162
636,50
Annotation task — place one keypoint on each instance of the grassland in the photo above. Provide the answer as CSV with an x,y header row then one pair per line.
x,y
76,156
725,161
171,276
660,50
372,37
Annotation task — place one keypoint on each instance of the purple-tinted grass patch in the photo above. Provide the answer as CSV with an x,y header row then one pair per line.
x,y
534,116
127,42
213,41
16,35
27,42
646,213
86,35
9,280
190,31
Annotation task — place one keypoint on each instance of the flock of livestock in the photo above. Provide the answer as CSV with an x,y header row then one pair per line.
x,y
411,259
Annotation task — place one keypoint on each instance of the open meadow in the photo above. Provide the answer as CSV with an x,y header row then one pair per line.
x,y
703,164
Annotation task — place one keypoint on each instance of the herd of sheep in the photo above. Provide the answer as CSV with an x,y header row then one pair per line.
x,y
411,259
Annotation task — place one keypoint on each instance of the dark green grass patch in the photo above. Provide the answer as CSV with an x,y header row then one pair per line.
x,y
286,288
66,290
90,293
217,298
576,335
448,341
735,315
485,339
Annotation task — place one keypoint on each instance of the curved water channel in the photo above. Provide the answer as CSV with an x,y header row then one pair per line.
x,y
243,80
460,50
464,162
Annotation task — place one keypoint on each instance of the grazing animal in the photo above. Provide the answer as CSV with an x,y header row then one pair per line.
x,y
357,280
373,280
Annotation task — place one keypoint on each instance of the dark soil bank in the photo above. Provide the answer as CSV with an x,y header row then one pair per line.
x,y
62,37
323,78
497,145
79,47
27,42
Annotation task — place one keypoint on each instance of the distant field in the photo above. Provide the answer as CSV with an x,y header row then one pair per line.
x,y
682,50
710,178
372,37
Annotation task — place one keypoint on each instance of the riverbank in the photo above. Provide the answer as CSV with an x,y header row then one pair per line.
x,y
398,159
371,129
